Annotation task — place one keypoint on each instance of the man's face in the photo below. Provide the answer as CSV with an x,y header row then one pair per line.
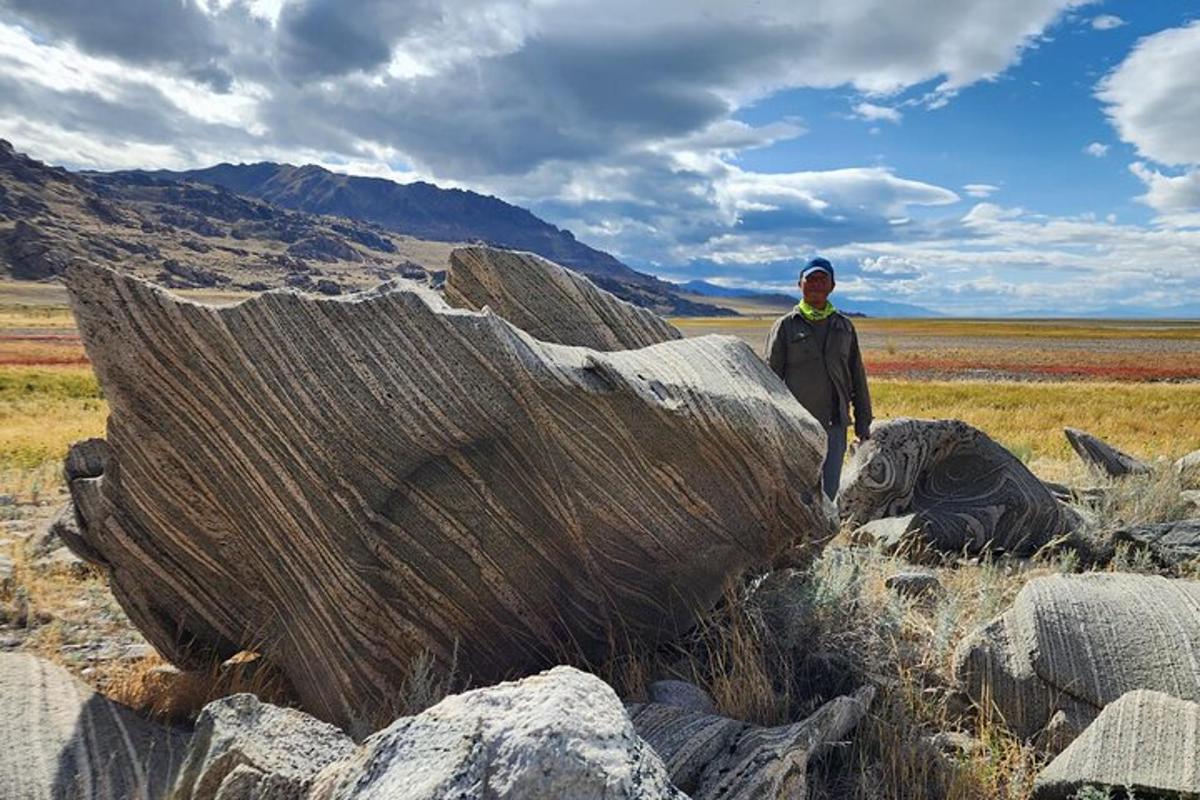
x,y
816,287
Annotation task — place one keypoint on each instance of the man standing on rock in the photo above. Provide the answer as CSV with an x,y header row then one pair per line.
x,y
814,348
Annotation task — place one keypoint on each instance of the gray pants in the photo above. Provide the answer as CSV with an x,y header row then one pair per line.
x,y
831,472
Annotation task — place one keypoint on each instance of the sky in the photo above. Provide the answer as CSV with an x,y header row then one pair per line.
x,y
975,157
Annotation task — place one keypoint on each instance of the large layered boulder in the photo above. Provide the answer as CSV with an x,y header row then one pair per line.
x,y
716,758
1145,743
549,302
344,484
1072,644
959,490
59,740
1102,456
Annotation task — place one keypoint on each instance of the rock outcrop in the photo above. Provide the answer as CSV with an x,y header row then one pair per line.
x,y
344,484
1188,470
549,302
59,740
562,733
964,491
244,748
1100,455
712,757
1144,743
1169,543
1075,643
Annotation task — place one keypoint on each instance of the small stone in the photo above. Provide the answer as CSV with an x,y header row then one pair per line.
x,y
914,583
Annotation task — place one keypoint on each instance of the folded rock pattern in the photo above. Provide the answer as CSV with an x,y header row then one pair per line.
x,y
344,483
712,757
549,302
1075,643
964,491
59,740
1145,742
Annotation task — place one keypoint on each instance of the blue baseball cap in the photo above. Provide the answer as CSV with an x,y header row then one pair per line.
x,y
817,264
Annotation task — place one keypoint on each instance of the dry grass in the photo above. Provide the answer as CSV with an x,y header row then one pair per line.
x,y
156,689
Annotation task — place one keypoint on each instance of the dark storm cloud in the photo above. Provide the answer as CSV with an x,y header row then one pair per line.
x,y
326,38
137,31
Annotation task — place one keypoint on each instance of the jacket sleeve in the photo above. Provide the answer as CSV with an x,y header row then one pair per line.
x,y
859,393
776,349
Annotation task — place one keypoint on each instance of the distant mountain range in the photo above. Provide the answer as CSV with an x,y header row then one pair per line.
x,y
425,211
868,308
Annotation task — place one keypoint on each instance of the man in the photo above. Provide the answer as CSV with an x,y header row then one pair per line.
x,y
815,350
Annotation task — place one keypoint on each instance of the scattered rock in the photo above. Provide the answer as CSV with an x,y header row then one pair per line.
x,y
1075,643
6,574
328,287
58,736
1188,469
176,273
62,560
323,248
955,742
497,498
549,302
244,748
562,733
1100,455
681,694
914,584
711,757
1170,543
965,492
1144,743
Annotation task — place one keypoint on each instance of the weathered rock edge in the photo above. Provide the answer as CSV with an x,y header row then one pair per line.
x,y
60,739
1072,644
344,483
962,490
550,302
1144,742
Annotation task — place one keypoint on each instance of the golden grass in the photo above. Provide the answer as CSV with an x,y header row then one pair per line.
x,y
1146,420
42,411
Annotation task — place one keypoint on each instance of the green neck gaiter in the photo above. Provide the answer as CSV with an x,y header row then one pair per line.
x,y
815,314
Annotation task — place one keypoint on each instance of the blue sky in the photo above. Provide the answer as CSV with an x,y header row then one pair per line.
x,y
976,156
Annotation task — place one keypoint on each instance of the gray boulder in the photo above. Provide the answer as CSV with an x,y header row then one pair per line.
x,y
244,749
1100,455
1144,742
345,484
712,757
1188,470
1170,543
560,734
1075,643
549,302
59,740
963,491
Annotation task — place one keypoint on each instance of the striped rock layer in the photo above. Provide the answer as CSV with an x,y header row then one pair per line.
x,y
343,484
964,491
716,758
1102,456
1147,743
1072,644
549,302
59,740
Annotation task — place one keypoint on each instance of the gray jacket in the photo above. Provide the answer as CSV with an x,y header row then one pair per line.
x,y
794,356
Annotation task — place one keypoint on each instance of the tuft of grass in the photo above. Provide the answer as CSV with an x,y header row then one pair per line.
x,y
157,690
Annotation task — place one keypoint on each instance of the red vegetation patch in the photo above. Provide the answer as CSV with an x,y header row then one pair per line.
x,y
1093,371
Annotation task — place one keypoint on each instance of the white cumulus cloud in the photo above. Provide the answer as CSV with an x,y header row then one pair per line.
x,y
872,112
980,189
1096,150
1106,22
